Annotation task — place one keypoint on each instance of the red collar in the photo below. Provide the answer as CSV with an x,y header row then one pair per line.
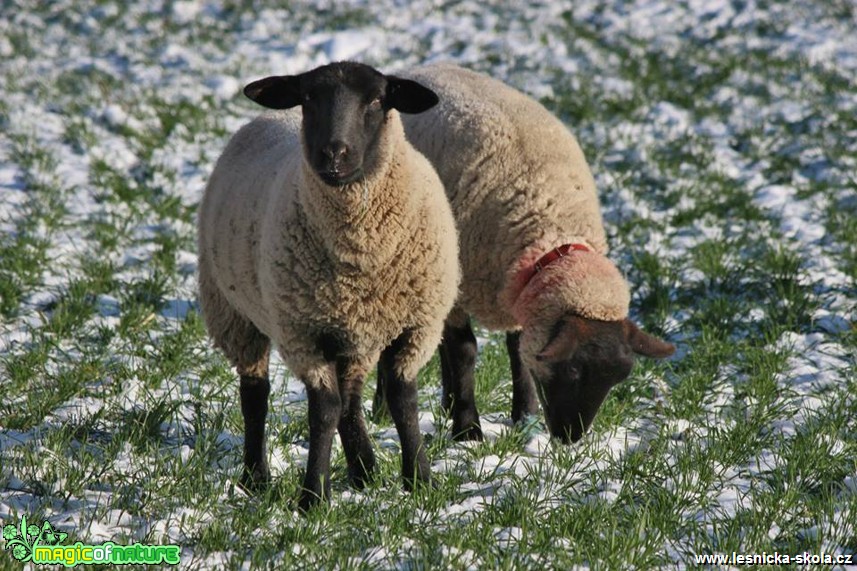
x,y
551,257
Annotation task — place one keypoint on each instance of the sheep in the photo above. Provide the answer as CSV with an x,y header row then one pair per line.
x,y
321,229
532,249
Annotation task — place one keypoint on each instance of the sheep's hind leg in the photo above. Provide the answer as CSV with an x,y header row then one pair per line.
x,y
248,350
458,352
525,402
325,406
402,400
254,408
251,355
352,428
380,411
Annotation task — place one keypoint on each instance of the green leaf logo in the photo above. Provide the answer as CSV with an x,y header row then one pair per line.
x,y
22,539
51,537
21,546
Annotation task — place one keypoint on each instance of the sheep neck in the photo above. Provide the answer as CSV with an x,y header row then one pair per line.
x,y
552,256
531,262
357,222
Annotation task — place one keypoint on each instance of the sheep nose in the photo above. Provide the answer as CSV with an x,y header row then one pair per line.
x,y
335,151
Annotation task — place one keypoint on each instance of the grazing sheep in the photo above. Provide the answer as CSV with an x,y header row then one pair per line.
x,y
328,234
532,251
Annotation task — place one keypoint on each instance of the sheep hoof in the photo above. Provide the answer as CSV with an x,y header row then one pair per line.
x,y
255,480
470,433
308,500
466,427
417,485
525,418
523,412
360,477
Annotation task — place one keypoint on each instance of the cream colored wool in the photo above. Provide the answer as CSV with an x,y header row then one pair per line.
x,y
519,186
585,283
284,256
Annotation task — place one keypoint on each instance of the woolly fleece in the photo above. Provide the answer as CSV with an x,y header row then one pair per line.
x,y
585,283
286,257
519,186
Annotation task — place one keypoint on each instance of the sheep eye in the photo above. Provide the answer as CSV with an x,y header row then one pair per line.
x,y
375,103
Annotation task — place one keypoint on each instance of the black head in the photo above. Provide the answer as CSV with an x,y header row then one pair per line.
x,y
581,361
344,107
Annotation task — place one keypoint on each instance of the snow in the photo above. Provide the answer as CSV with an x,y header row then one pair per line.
x,y
148,49
184,11
798,217
223,86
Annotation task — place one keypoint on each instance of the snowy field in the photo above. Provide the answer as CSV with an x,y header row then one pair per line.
x,y
723,138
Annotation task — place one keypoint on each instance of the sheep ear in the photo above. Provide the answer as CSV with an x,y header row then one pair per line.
x,y
408,96
275,92
562,345
644,344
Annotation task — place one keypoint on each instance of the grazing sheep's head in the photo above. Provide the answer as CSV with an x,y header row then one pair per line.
x,y
344,107
576,341
578,364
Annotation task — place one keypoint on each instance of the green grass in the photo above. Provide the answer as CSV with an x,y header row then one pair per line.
x,y
119,420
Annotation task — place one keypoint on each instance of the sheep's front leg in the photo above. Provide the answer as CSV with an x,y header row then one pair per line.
x,y
525,402
352,428
324,412
402,400
458,352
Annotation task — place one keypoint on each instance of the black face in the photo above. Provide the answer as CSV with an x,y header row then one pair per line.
x,y
581,362
340,122
578,386
344,109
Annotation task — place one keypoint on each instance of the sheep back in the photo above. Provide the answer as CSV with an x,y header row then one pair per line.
x,y
515,176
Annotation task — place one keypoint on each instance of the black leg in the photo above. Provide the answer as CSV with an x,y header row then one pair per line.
x,y
525,401
254,408
458,362
324,412
380,411
445,378
402,399
352,429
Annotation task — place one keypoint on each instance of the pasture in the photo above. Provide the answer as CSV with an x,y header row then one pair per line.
x,y
723,138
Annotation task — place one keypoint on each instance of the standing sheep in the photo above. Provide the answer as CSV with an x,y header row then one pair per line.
x,y
330,236
532,255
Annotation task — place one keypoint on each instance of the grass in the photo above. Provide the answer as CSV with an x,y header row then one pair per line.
x,y
118,419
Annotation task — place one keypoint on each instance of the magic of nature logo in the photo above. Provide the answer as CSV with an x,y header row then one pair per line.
x,y
44,546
